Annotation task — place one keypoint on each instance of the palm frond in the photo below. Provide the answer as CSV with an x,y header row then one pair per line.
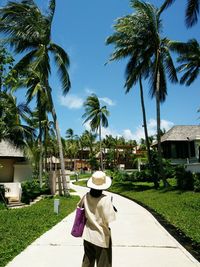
x,y
62,61
169,65
51,10
192,12
165,5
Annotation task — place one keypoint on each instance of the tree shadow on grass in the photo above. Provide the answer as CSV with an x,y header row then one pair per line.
x,y
129,186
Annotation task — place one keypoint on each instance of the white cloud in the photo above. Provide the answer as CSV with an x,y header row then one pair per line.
x,y
89,91
71,101
104,131
152,129
109,131
127,134
139,133
152,126
107,100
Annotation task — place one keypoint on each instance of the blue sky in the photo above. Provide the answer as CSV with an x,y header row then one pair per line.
x,y
81,28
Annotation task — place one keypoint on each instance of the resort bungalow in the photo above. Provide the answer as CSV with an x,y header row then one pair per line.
x,y
181,144
13,170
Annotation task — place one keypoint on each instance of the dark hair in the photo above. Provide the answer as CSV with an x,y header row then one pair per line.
x,y
95,192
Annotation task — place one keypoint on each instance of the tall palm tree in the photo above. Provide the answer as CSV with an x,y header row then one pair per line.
x,y
88,141
126,45
152,56
30,30
72,145
97,117
158,51
191,13
32,80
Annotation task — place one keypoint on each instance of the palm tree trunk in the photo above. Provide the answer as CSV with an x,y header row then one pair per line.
x,y
161,170
40,165
101,155
144,121
65,179
40,141
146,136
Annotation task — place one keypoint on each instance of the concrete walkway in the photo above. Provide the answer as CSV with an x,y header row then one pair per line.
x,y
138,241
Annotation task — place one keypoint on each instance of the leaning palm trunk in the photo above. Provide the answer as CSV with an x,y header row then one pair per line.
x,y
161,170
146,135
101,155
62,164
40,142
145,122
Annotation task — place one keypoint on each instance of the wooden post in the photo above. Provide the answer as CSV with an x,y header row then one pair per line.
x,y
52,182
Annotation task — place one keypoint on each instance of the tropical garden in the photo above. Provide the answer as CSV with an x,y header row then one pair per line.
x,y
171,193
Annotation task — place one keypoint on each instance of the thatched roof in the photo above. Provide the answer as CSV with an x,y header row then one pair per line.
x,y
182,133
9,150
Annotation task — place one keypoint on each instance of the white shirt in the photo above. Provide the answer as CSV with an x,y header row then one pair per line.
x,y
99,213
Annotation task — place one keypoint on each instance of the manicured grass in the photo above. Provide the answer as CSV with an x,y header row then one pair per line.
x,y
20,227
80,176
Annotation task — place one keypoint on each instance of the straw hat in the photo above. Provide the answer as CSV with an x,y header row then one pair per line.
x,y
99,181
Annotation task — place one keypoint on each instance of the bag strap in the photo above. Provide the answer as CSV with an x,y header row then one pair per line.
x,y
81,203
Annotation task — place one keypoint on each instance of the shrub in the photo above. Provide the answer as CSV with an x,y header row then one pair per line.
x,y
169,169
196,177
31,190
184,179
143,176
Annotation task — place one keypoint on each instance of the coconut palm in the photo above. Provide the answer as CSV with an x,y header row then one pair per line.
x,y
158,51
88,141
28,29
97,117
191,13
150,57
72,146
6,64
189,60
32,80
11,116
126,45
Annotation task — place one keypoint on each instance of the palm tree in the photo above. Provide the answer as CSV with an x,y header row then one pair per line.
x,y
126,45
189,60
161,62
153,57
72,145
88,141
6,63
97,117
11,116
32,80
191,13
30,30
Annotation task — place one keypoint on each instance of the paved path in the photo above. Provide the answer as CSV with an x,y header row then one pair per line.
x,y
138,241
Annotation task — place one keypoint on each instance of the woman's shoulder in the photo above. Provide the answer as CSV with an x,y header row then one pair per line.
x,y
105,199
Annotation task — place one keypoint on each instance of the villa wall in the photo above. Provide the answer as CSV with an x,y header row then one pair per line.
x,y
193,167
13,171
6,170
197,145
22,172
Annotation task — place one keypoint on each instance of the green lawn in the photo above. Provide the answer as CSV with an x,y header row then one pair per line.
x,y
80,176
20,227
